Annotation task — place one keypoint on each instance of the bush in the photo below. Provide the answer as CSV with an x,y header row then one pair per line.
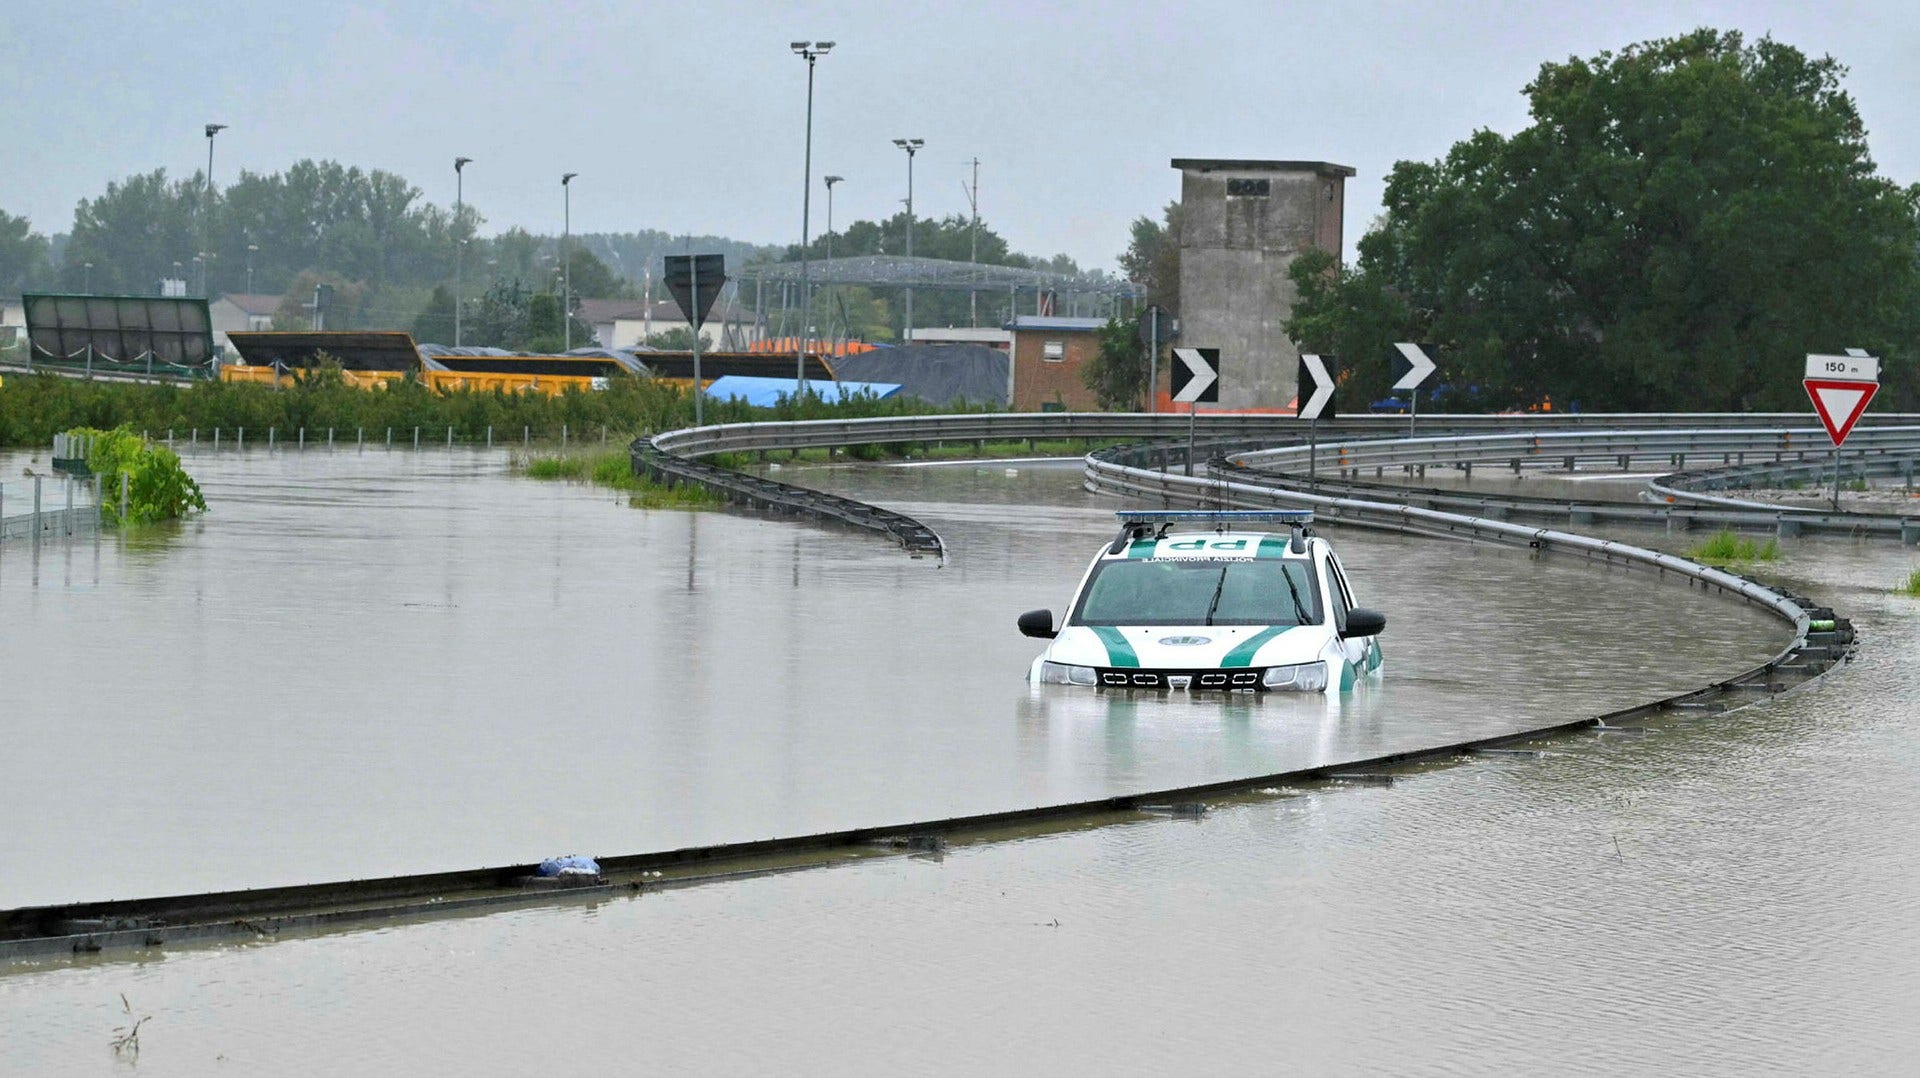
x,y
1726,548
158,488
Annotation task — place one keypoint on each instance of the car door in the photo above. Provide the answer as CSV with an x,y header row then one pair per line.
x,y
1340,599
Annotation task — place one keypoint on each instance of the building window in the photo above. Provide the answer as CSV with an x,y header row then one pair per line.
x,y
1054,351
1244,188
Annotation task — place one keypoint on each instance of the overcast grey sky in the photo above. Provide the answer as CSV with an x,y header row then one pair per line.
x,y
689,116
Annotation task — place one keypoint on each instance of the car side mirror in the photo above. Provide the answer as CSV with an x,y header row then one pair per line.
x,y
1363,622
1038,623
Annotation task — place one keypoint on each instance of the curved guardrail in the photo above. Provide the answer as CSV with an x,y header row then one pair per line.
x,y
1820,639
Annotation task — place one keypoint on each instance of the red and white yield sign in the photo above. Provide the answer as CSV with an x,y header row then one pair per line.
x,y
1841,387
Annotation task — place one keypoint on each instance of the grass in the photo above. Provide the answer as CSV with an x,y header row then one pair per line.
x,y
1726,548
1911,586
614,469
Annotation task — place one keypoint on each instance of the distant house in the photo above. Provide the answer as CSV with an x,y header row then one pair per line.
x,y
13,321
1047,356
626,323
241,312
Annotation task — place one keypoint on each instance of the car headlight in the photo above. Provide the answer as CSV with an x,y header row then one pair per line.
x,y
1306,677
1062,674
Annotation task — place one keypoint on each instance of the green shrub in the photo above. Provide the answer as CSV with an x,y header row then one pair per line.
x,y
1726,548
158,488
1911,587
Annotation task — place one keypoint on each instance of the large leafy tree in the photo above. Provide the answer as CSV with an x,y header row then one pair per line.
x,y
1152,257
1681,222
23,255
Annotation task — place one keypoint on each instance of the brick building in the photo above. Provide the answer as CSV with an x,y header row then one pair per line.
x,y
1048,354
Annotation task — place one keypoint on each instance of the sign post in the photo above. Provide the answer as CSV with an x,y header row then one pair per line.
x,y
1317,372
694,281
1841,388
1411,366
1196,378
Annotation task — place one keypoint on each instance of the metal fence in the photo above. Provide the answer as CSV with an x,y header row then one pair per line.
x,y
44,507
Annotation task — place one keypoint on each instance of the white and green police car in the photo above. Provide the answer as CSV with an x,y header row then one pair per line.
x,y
1211,601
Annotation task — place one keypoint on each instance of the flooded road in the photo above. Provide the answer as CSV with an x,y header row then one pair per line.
x,y
362,665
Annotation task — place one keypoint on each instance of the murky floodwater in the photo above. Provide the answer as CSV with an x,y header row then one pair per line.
x,y
362,665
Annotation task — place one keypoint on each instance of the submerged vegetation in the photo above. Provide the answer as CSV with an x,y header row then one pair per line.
x,y
614,468
1726,548
1911,586
157,487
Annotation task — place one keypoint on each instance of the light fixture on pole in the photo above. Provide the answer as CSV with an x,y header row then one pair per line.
x,y
566,260
973,244
912,146
459,245
811,52
206,226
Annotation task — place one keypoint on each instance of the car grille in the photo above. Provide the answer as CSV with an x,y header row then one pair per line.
x,y
1214,680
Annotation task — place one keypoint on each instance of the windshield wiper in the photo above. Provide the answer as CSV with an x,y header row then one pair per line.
x,y
1217,589
1299,608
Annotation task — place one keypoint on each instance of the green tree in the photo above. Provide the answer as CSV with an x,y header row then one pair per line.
x,y
23,255
435,323
1118,373
677,339
1679,224
1152,257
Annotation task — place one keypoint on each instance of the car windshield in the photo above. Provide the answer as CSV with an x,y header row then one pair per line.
x,y
1265,591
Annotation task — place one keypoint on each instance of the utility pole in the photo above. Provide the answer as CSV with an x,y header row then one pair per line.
x,y
459,244
831,180
973,247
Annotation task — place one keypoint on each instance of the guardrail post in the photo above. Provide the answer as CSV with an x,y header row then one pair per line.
x,y
126,479
526,436
36,510
1788,527
272,434
329,437
216,439
196,436
416,437
563,437
449,437
68,483
489,436
360,438
242,443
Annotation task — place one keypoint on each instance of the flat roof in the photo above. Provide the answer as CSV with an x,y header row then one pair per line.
x,y
1223,164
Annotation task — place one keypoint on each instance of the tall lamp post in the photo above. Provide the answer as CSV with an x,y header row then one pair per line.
x,y
912,146
811,52
252,249
459,245
86,279
206,226
566,259
830,180
973,244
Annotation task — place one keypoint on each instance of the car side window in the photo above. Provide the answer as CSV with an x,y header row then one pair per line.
x,y
1337,594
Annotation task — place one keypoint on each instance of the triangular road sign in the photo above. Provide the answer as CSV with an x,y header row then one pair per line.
x,y
1840,404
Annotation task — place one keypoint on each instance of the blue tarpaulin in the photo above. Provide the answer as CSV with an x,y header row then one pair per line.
x,y
766,392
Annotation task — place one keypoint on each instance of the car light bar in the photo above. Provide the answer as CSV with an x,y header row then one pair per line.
x,y
1212,516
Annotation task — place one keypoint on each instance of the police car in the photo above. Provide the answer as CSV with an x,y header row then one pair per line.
x,y
1212,601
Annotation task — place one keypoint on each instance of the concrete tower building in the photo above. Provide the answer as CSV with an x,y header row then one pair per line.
x,y
1242,223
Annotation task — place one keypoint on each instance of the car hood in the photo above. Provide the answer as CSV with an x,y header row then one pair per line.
x,y
1184,647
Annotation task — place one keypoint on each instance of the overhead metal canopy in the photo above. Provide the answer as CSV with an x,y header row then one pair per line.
x,y
888,271
352,351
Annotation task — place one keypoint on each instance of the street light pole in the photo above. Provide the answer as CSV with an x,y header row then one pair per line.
x,y
251,248
912,146
811,52
459,245
86,279
566,260
206,226
831,180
